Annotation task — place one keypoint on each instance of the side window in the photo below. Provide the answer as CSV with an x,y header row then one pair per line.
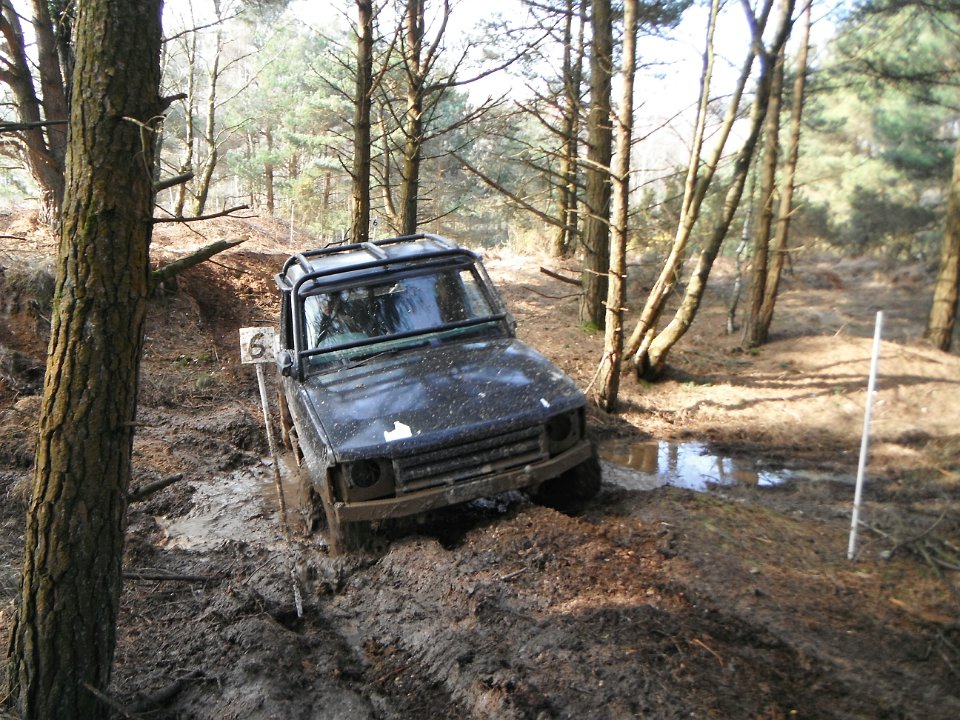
x,y
450,297
477,300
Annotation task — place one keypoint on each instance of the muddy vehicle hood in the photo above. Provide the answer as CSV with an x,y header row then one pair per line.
x,y
404,402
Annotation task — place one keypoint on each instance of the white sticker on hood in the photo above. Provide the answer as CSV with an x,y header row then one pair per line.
x,y
399,432
545,402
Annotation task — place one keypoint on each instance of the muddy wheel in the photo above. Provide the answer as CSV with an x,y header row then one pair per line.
x,y
570,491
304,506
288,431
343,538
348,537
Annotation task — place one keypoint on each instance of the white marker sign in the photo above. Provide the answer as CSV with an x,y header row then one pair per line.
x,y
256,345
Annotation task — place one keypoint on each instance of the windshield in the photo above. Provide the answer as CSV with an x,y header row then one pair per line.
x,y
368,319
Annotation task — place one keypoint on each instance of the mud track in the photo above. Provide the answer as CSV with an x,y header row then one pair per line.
x,y
637,608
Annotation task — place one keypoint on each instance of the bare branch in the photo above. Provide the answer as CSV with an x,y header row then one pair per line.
x,y
490,182
171,181
10,127
222,213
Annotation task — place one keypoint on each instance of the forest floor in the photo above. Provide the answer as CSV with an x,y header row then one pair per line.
x,y
708,579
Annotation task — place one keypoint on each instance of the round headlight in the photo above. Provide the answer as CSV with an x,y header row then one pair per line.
x,y
559,428
364,473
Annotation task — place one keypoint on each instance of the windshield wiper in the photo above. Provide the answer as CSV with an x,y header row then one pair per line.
x,y
361,360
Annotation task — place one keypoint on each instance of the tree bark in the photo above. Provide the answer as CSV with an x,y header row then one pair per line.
x,y
609,371
754,333
596,225
413,124
42,156
269,172
52,85
568,199
778,248
363,101
63,636
943,312
209,136
651,363
695,187
189,105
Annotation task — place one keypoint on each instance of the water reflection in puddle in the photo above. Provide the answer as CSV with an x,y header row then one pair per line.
x,y
686,465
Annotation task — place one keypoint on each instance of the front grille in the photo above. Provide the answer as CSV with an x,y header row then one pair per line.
x,y
468,461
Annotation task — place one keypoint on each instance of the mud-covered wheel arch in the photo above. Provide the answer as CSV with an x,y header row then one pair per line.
x,y
313,514
570,491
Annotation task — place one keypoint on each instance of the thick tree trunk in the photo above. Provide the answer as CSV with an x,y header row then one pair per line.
x,y
609,371
410,174
778,248
596,225
63,637
943,312
754,333
363,101
52,86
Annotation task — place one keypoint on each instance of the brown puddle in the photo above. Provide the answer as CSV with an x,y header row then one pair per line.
x,y
685,465
239,506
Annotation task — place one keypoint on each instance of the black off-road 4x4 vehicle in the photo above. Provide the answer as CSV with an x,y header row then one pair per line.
x,y
404,389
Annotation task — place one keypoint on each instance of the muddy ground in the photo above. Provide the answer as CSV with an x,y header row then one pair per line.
x,y
734,601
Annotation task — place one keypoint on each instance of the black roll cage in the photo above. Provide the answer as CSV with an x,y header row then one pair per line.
x,y
450,256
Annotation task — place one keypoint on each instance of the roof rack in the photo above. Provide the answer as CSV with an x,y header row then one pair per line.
x,y
380,258
373,247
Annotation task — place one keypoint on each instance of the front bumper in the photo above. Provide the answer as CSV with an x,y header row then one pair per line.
x,y
438,497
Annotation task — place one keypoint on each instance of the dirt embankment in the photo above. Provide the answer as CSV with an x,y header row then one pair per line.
x,y
736,603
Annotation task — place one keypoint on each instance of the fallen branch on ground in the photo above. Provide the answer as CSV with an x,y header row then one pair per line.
x,y
144,491
558,276
177,266
551,297
109,702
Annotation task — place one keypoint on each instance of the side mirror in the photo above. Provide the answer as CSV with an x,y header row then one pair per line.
x,y
285,363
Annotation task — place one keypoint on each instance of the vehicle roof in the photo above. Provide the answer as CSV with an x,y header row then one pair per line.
x,y
336,264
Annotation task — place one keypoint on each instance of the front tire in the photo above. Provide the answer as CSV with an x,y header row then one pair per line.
x,y
346,538
570,491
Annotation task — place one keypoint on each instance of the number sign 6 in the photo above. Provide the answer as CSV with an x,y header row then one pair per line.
x,y
256,344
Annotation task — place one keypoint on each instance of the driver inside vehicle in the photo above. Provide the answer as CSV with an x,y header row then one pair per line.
x,y
337,318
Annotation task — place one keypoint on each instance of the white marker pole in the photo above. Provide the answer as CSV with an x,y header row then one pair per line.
x,y
256,346
865,439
